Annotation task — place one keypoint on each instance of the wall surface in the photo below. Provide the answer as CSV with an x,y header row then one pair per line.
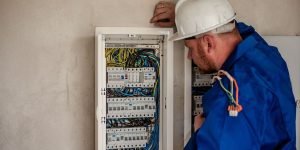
x,y
270,17
47,64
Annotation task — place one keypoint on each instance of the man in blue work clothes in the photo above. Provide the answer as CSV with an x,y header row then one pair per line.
x,y
266,115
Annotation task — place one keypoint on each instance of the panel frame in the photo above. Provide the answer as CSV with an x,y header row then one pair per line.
x,y
167,81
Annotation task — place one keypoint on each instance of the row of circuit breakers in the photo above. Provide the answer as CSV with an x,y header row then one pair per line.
x,y
132,95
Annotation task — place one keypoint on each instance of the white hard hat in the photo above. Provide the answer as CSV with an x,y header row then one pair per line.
x,y
194,17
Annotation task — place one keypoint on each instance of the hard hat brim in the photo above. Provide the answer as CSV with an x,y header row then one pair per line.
x,y
177,37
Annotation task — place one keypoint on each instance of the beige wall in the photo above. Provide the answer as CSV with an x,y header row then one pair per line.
x,y
270,17
47,64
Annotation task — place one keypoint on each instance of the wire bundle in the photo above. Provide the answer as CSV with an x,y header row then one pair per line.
x,y
128,122
117,57
129,92
234,107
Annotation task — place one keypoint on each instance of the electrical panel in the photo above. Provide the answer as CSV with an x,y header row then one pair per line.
x,y
200,84
132,95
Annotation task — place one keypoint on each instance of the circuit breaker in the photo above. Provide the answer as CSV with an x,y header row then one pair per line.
x,y
134,88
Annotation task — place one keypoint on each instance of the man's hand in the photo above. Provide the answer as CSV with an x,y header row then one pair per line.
x,y
164,14
198,121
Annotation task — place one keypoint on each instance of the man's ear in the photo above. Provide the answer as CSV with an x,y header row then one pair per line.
x,y
209,43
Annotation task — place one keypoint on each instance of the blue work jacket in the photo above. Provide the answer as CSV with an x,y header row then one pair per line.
x,y
267,120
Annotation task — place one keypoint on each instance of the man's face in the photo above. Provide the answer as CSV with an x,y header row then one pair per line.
x,y
198,53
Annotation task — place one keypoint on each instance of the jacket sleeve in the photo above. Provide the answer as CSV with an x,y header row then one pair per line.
x,y
191,145
223,132
220,131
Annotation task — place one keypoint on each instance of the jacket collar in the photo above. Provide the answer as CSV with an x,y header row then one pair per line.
x,y
248,42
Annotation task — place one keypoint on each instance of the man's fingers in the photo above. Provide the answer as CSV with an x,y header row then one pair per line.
x,y
161,3
164,14
198,121
160,10
160,17
163,8
164,24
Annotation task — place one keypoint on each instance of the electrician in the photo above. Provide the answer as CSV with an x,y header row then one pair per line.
x,y
217,42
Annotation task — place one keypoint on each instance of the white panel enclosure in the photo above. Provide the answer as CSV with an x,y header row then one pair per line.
x,y
134,88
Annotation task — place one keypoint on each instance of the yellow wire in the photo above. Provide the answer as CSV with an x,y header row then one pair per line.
x,y
122,56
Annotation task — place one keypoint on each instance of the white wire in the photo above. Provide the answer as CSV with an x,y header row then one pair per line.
x,y
229,77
